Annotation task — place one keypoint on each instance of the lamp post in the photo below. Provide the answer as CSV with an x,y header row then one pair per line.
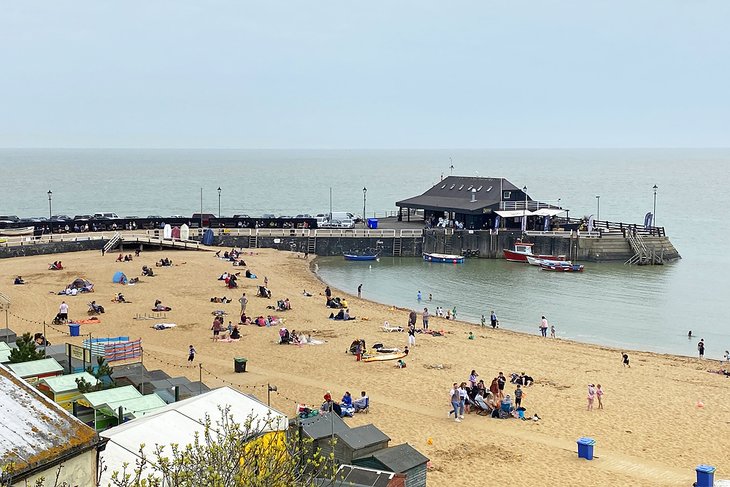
x,y
364,199
50,210
219,202
598,207
269,390
524,211
653,215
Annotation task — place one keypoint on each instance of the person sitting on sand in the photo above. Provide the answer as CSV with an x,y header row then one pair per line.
x,y
223,276
146,271
120,298
306,294
347,400
120,258
360,403
160,307
235,333
18,281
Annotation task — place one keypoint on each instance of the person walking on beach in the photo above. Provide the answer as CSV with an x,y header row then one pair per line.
x,y
244,301
552,331
430,297
455,398
626,360
426,315
462,400
701,348
418,296
544,326
191,354
412,335
484,321
359,291
727,356
328,293
266,281
591,396
599,395
493,319
453,313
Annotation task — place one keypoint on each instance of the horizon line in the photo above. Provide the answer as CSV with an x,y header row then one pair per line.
x,y
371,148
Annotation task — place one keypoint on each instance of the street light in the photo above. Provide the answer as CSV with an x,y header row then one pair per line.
x,y
219,202
598,207
50,207
269,390
653,215
364,198
524,212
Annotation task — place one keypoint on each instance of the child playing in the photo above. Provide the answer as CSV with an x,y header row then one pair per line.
x,y
552,331
191,354
518,396
599,395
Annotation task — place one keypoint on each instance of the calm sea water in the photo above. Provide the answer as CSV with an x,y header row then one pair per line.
x,y
638,308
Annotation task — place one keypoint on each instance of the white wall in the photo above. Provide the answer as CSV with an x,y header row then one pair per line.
x,y
79,471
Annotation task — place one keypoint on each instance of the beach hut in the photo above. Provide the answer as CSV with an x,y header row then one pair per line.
x,y
184,232
4,352
359,442
176,233
402,459
62,389
37,369
179,422
352,476
110,407
119,278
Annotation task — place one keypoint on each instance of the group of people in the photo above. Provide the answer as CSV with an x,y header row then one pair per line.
x,y
56,266
472,395
233,332
163,263
348,406
124,258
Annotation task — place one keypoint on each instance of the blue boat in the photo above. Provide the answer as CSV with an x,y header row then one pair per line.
x,y
360,257
443,258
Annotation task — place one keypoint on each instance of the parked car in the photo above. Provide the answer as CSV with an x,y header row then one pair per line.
x,y
105,216
132,217
285,217
83,218
305,215
205,217
155,217
61,218
268,215
241,216
177,216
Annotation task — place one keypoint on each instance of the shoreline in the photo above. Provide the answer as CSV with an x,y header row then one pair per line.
x,y
313,263
651,432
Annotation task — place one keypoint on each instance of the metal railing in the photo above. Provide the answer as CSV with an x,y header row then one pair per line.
x,y
520,205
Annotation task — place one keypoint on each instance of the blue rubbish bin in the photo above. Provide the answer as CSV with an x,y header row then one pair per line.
x,y
705,475
585,448
372,223
73,329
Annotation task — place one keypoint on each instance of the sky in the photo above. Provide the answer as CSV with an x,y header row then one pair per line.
x,y
353,74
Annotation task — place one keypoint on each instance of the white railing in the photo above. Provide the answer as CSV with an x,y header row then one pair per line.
x,y
406,233
520,205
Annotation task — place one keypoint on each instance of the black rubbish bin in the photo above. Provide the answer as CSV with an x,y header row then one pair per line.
x,y
239,364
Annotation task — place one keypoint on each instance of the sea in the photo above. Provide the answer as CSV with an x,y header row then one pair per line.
x,y
632,308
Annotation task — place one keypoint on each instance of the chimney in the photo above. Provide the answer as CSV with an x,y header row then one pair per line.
x,y
473,195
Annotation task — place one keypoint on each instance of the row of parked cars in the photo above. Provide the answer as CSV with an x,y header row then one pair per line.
x,y
77,218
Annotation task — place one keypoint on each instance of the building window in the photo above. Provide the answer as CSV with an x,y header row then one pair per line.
x,y
442,187
452,187
461,187
507,195
469,188
489,189
480,188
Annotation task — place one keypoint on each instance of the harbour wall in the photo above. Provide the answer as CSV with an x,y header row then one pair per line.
x,y
47,248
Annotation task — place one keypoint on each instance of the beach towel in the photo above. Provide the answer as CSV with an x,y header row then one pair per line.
x,y
89,321
163,326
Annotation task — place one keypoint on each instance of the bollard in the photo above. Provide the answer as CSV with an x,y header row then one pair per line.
x,y
585,447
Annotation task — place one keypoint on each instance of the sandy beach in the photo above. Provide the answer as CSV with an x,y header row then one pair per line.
x,y
651,432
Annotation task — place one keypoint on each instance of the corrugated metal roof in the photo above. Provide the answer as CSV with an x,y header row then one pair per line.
x,y
4,352
35,430
99,398
400,458
36,367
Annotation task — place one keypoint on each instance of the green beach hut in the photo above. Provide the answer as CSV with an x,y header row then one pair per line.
x,y
63,389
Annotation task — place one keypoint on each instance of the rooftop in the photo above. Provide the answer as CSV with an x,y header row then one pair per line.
x,y
34,429
400,458
62,383
362,436
35,368
454,193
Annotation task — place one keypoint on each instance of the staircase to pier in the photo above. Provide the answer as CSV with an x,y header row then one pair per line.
x,y
311,245
112,242
252,241
397,246
644,253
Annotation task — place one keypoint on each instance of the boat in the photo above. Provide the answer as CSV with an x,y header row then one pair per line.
x,y
524,249
17,232
360,257
534,260
444,258
562,267
381,357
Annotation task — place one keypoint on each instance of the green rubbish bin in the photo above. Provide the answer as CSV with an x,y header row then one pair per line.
x,y
239,364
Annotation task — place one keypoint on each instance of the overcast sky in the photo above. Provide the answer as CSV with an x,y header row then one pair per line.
x,y
365,74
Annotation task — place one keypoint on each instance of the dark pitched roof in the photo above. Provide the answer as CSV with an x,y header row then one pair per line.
x,y
362,436
322,425
454,194
400,458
